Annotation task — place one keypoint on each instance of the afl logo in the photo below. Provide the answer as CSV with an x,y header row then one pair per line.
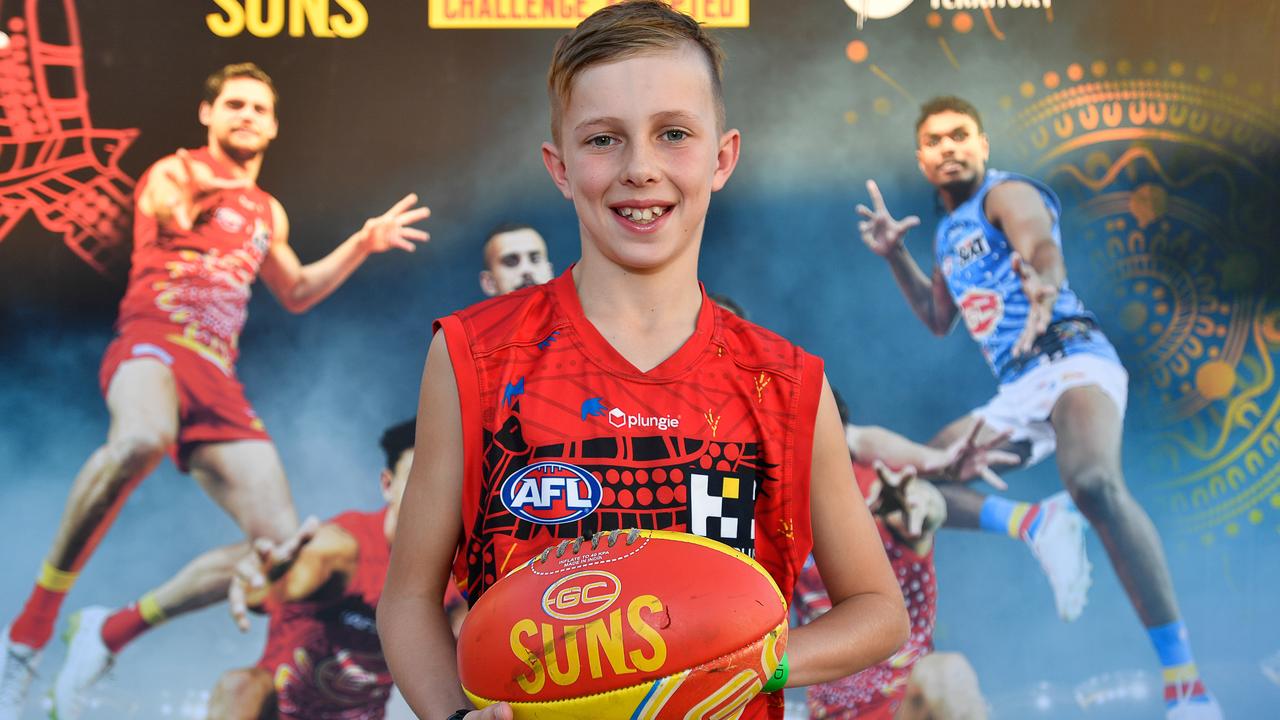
x,y
581,595
551,493
982,311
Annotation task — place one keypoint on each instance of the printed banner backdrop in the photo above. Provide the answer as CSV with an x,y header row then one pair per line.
x,y
1154,121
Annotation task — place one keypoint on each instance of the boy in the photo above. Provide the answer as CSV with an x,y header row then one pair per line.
x,y
639,146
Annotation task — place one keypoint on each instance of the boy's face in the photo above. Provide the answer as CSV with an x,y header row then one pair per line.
x,y
640,154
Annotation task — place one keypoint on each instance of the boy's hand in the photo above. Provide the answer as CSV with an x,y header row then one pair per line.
x,y
500,711
880,231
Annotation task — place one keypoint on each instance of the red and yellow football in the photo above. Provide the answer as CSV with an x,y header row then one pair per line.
x,y
643,624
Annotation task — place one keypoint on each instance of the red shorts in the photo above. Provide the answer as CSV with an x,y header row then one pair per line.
x,y
211,404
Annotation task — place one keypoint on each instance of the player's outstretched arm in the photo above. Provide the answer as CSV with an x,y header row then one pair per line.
x,y
416,637
965,459
882,233
867,621
1019,210
178,188
299,287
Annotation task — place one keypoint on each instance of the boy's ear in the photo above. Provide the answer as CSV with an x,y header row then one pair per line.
x,y
726,158
554,161
206,111
488,284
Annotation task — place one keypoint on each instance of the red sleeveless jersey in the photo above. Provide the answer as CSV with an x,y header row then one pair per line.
x,y
194,285
325,657
563,437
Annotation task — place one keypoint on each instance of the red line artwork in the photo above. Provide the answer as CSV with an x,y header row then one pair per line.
x,y
53,162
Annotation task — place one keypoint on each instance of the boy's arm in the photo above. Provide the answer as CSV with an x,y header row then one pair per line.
x,y
416,637
1018,209
298,287
927,296
868,620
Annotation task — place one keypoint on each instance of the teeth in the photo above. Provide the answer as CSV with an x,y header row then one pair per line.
x,y
641,215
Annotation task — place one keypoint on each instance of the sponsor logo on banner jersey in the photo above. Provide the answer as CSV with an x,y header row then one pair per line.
x,y
551,493
228,219
972,248
982,310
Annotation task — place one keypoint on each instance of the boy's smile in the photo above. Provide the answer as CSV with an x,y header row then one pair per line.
x,y
641,154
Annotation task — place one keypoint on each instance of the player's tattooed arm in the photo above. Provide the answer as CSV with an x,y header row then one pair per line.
x,y
299,287
1018,209
885,235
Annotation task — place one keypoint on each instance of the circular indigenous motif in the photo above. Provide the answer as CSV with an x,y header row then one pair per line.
x,y
1170,184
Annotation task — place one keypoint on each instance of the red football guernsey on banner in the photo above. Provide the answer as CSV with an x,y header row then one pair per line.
x,y
194,285
325,657
563,437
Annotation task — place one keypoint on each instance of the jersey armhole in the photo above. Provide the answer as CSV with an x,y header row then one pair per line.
x,y
464,372
806,417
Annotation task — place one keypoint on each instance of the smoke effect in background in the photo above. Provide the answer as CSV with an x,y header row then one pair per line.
x,y
458,118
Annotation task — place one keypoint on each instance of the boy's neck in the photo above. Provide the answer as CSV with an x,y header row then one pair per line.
x,y
646,317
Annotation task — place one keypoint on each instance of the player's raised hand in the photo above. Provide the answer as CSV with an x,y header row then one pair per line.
x,y
880,231
898,503
265,562
966,459
391,228
191,188
1041,297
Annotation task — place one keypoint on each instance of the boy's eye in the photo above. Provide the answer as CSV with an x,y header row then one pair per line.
x,y
959,135
600,141
674,135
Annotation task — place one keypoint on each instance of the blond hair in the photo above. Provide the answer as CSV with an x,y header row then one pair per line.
x,y
620,31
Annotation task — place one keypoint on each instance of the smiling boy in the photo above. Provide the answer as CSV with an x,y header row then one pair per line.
x,y
554,374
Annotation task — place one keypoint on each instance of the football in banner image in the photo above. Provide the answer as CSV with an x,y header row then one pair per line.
x,y
641,624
